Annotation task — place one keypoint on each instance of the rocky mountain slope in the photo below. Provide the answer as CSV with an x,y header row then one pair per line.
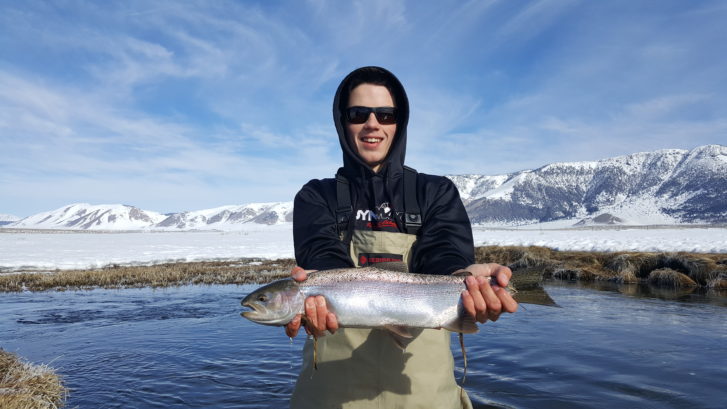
x,y
665,186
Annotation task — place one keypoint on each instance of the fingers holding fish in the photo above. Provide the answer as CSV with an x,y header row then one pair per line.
x,y
317,317
475,303
332,324
298,274
500,279
486,298
508,302
501,275
291,328
485,302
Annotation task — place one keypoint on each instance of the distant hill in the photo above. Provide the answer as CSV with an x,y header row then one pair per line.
x,y
82,216
669,186
7,219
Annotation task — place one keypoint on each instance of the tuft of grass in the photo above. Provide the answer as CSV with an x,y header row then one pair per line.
x,y
666,277
27,386
628,267
576,274
719,282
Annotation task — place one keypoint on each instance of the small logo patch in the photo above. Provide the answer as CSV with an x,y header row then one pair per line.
x,y
368,259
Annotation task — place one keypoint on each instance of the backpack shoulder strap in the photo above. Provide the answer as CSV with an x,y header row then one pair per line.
x,y
412,213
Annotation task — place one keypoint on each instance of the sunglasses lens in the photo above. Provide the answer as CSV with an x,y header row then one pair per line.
x,y
386,116
359,115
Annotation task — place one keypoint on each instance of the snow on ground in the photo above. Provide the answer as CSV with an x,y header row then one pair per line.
x,y
65,250
668,239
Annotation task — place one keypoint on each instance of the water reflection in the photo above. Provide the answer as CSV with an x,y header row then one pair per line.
x,y
184,347
643,290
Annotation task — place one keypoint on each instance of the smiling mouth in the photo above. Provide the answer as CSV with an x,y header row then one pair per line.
x,y
371,140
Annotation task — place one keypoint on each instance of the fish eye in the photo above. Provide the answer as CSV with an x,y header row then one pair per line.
x,y
262,297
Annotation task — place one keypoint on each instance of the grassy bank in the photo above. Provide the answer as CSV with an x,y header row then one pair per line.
x,y
242,271
28,386
674,270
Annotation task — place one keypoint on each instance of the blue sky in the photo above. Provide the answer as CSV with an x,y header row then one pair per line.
x,y
185,105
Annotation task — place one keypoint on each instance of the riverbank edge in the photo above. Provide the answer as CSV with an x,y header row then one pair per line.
x,y
672,270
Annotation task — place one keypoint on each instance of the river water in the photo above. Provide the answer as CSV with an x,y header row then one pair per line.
x,y
188,347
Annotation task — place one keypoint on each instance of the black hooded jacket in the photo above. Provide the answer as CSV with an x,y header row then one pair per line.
x,y
444,243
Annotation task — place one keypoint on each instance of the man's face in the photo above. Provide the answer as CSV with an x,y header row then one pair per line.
x,y
371,139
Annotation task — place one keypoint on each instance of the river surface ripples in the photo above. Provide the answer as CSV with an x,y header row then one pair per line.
x,y
187,347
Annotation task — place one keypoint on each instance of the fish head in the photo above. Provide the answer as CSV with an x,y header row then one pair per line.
x,y
274,304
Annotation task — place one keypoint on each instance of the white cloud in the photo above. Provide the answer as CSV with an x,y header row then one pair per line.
x,y
232,99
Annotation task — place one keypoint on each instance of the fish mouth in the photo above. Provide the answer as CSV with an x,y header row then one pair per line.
x,y
252,311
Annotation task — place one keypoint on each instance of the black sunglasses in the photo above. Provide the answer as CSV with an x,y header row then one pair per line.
x,y
359,115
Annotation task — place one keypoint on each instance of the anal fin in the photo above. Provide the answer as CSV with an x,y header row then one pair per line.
x,y
464,324
399,330
401,335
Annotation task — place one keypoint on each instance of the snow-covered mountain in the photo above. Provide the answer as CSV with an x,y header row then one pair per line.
x,y
669,186
7,219
227,217
666,186
82,216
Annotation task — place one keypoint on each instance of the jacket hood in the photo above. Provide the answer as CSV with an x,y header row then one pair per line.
x,y
353,165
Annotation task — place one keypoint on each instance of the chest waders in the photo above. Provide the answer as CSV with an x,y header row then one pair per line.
x,y
364,368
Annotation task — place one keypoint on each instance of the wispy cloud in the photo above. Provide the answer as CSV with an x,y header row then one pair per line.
x,y
183,105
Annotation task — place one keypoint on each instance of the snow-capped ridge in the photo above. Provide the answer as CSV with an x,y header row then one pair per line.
x,y
226,217
84,216
663,187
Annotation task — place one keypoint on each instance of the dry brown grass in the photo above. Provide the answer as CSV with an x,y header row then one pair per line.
x,y
28,386
161,275
706,270
697,269
666,277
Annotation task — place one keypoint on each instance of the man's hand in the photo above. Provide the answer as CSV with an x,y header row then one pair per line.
x,y
483,300
317,318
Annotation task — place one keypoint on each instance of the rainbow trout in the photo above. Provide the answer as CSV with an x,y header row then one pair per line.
x,y
369,297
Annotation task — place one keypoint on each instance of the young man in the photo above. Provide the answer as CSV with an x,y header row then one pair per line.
x,y
364,216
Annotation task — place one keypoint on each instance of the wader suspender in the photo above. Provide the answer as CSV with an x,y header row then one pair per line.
x,y
343,208
412,214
